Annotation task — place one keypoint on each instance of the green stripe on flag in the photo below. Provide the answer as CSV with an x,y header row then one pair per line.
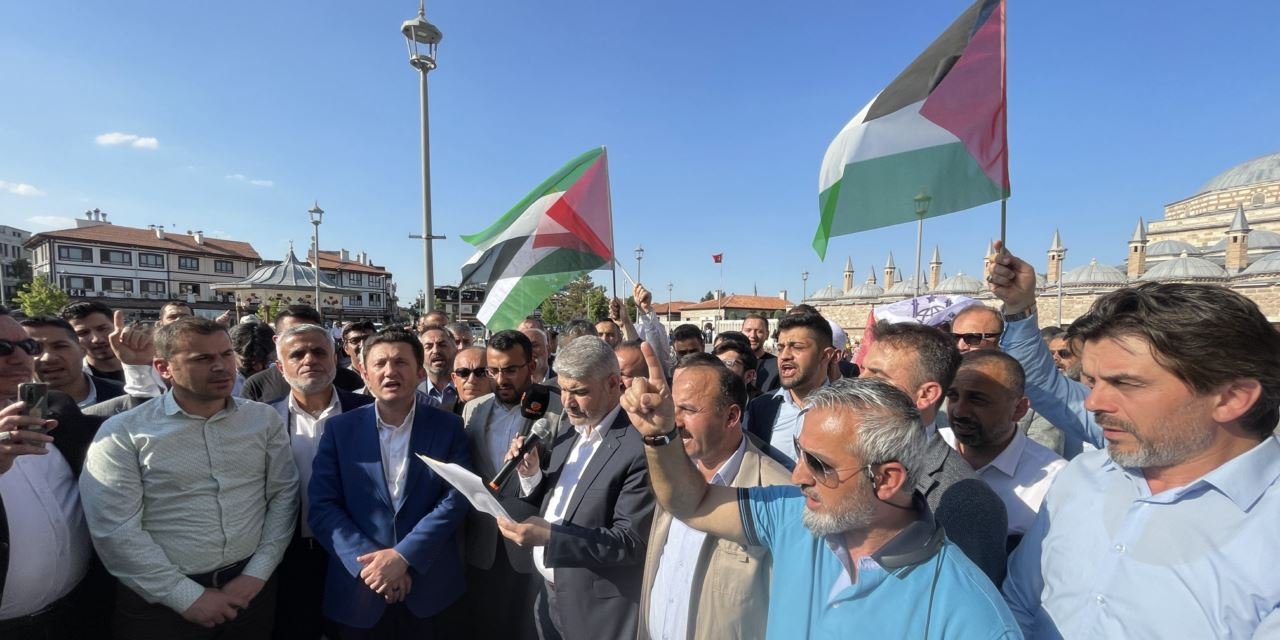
x,y
559,181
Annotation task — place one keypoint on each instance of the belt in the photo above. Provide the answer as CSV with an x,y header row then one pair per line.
x,y
37,619
219,577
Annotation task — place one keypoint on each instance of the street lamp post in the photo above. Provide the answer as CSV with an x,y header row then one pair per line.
x,y
317,216
639,257
422,37
670,286
804,287
921,201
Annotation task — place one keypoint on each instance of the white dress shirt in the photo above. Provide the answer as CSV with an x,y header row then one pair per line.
x,y
672,592
305,431
48,540
92,397
1021,475
393,441
504,425
584,448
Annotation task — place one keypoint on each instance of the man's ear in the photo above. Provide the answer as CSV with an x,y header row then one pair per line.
x,y
733,417
928,395
162,366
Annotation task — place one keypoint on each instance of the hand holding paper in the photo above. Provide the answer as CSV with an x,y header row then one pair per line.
x,y
471,486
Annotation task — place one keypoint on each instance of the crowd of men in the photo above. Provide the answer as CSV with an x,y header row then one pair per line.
x,y
1117,478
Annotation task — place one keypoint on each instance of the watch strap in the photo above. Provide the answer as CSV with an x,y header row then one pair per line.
x,y
659,440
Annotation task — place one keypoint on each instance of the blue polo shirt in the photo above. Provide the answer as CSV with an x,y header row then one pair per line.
x,y
812,594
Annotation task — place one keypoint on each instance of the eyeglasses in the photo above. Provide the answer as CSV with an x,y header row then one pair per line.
x,y
465,373
1064,353
506,371
731,363
975,339
29,345
826,475
354,340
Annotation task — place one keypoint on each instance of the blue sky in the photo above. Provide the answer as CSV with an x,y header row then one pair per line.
x,y
716,116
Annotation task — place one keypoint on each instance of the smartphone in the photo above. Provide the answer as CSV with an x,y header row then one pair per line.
x,y
36,396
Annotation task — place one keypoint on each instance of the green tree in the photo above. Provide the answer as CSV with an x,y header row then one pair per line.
x,y
40,298
21,271
710,295
268,310
578,299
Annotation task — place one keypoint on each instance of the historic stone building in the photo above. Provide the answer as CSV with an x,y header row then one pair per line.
x,y
1227,233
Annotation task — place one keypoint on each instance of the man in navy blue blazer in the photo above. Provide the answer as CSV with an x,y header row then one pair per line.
x,y
388,522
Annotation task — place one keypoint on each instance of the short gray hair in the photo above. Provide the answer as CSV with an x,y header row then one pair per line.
x,y
888,423
587,358
299,329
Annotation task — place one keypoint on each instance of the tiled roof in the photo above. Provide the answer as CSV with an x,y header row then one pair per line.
x,y
146,238
676,306
333,260
758,303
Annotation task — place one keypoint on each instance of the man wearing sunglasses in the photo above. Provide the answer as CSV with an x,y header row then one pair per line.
x,y
499,570
853,545
470,377
353,335
922,361
977,327
47,586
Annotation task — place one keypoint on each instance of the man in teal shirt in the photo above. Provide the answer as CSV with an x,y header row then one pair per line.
x,y
853,547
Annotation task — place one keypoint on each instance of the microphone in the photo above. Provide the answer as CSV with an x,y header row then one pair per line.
x,y
533,404
541,431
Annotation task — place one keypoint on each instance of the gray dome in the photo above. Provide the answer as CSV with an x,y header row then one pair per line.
x,y
907,288
1094,273
1171,248
1185,268
866,290
289,274
1264,169
1041,281
959,283
1268,264
1258,239
826,293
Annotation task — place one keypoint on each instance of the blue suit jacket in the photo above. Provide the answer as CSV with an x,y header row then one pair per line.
x,y
351,513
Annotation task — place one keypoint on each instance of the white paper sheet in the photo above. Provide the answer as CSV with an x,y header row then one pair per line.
x,y
471,486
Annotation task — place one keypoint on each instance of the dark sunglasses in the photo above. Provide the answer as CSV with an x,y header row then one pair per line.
x,y
29,345
975,339
465,373
826,475
1064,353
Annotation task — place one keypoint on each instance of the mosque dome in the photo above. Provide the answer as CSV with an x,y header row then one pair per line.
x,y
907,287
1268,264
1171,248
1185,267
1258,170
959,283
826,293
866,290
1094,273
1258,239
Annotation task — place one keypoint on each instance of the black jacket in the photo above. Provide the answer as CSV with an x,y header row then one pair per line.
x,y
269,384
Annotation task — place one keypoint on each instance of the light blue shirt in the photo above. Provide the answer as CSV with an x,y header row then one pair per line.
x,y
1055,396
813,594
786,426
1106,559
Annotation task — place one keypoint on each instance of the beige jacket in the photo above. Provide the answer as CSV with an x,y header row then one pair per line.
x,y
730,582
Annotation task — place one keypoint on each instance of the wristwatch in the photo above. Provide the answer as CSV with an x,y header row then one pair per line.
x,y
1021,315
666,438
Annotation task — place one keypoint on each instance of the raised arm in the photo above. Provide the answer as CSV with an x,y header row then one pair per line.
x,y
677,485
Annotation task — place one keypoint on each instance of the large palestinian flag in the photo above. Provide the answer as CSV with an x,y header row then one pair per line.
x,y
559,231
938,127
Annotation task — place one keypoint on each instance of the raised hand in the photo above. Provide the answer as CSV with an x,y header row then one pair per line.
x,y
1012,280
648,402
644,299
132,344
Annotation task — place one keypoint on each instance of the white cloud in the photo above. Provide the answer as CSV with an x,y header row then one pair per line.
x,y
53,222
20,188
116,138
240,177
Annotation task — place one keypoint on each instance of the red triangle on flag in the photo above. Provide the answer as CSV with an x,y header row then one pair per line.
x,y
579,220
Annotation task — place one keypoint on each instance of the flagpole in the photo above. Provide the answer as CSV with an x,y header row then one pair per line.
x,y
608,190
1003,211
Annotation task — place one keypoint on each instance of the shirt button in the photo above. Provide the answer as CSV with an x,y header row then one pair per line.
x,y
1119,548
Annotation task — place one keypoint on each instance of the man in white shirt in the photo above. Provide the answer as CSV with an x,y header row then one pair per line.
x,y
984,404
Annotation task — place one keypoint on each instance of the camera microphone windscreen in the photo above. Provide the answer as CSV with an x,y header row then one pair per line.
x,y
533,404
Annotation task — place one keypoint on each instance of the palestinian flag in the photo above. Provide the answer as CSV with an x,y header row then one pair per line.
x,y
939,127
561,230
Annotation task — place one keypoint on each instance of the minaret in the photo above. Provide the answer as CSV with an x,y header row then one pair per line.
x,y
1238,243
1138,251
871,276
1056,253
935,269
848,274
889,271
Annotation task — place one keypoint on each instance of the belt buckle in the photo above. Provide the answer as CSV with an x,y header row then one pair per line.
x,y
216,580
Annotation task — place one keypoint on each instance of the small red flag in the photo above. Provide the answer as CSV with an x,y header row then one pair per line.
x,y
717,257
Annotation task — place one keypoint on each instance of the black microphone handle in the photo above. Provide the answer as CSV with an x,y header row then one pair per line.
x,y
510,466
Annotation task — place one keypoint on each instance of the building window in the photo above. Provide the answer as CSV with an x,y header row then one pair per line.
x,y
354,301
112,256
78,282
355,278
222,266
75,254
376,282
117,285
153,260
188,287
188,263
152,286
375,299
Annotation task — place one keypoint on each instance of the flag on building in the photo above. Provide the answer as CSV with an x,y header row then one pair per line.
x,y
560,230
717,257
938,127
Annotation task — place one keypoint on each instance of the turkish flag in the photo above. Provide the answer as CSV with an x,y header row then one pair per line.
x,y
717,257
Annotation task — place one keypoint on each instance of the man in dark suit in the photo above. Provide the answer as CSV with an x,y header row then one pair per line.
x,y
50,586
804,358
306,358
596,506
388,523
499,570
756,328
60,362
269,385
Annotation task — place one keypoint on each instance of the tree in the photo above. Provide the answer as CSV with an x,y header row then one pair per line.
x,y
710,295
20,270
40,298
580,299
268,310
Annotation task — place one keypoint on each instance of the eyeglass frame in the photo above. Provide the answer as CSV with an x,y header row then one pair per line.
x,y
975,338
509,370
823,472
30,346
469,371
